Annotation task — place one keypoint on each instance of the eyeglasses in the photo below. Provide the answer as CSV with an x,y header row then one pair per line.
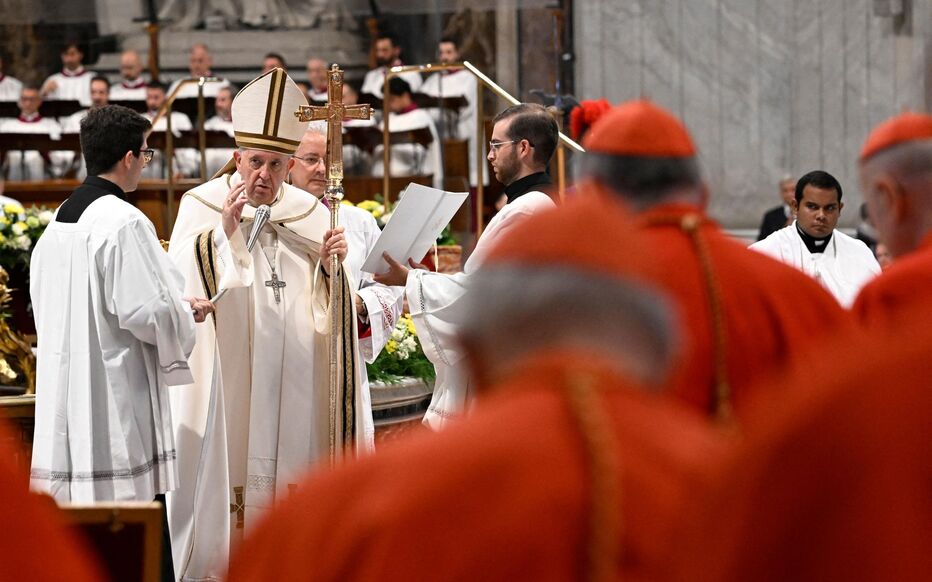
x,y
494,145
310,160
147,155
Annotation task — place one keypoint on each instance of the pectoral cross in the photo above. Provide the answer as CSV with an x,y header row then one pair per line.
x,y
276,284
239,508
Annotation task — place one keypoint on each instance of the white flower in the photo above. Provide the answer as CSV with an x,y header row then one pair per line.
x,y
398,334
45,217
18,228
386,217
23,242
409,344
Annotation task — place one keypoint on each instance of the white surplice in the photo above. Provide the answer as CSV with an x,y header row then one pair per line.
x,y
189,91
843,268
186,160
462,126
436,304
257,414
10,88
30,165
113,334
72,86
411,159
374,81
218,157
124,90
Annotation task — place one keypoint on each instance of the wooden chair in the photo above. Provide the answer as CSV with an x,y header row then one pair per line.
x,y
126,536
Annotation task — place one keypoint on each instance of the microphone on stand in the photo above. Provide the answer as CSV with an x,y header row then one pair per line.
x,y
262,216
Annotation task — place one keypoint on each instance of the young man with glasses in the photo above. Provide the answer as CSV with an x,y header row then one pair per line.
x,y
114,332
524,138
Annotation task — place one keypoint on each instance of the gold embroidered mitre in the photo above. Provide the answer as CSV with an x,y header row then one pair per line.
x,y
263,114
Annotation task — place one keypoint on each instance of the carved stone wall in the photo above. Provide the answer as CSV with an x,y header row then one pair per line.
x,y
766,87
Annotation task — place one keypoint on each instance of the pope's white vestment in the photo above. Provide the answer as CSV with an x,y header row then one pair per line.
x,y
114,338
437,307
257,415
843,268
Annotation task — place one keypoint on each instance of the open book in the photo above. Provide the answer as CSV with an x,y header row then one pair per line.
x,y
417,221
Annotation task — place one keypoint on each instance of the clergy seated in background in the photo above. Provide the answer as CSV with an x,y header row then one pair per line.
x,y
199,63
377,306
221,121
10,87
524,138
356,161
409,159
813,245
73,82
576,469
131,86
185,160
833,478
317,80
35,543
114,332
896,178
31,165
387,55
257,414
744,313
779,216
460,124
100,95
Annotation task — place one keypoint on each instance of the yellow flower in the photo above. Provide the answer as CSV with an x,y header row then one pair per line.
x,y
12,208
391,346
410,325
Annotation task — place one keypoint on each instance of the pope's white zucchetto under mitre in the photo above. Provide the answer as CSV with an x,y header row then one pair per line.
x,y
264,114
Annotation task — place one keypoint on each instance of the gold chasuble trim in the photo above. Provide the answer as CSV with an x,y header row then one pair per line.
x,y
348,363
204,254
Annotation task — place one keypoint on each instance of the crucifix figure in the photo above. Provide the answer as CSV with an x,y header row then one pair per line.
x,y
276,284
239,507
334,112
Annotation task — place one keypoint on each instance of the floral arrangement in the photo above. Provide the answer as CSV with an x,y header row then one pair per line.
x,y
402,356
20,228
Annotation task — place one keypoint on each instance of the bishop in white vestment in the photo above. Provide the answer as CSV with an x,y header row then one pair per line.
x,y
257,415
377,305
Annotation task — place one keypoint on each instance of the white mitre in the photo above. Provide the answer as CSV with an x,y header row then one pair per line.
x,y
264,116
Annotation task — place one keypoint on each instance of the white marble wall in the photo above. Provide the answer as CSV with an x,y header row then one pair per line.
x,y
767,87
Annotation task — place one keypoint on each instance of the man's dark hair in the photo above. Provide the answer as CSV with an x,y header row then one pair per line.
x,y
107,133
642,178
389,37
277,57
451,40
71,43
102,79
157,85
533,123
818,179
398,87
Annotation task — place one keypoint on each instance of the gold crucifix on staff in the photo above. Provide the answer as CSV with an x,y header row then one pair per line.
x,y
334,112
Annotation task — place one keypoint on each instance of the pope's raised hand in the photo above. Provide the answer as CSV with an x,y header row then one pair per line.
x,y
233,208
334,244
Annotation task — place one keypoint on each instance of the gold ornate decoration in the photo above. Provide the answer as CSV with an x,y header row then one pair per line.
x,y
13,345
